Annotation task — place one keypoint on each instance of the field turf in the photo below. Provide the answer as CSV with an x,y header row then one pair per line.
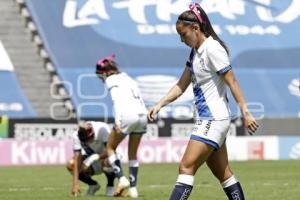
x,y
261,180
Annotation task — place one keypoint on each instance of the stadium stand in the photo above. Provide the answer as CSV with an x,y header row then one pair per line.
x,y
28,59
13,103
58,43
86,30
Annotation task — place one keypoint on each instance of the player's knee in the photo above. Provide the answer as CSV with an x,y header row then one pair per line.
x,y
186,169
84,169
70,165
110,150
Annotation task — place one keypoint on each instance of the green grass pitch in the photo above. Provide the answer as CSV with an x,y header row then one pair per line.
x,y
261,180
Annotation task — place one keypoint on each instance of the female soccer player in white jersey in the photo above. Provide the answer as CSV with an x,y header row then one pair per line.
x,y
209,70
130,119
90,157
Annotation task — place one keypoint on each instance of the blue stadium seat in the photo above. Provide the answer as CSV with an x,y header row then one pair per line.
x,y
13,103
77,33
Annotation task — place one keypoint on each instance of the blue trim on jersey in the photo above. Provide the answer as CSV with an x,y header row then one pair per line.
x,y
206,141
224,70
88,150
201,105
188,64
191,56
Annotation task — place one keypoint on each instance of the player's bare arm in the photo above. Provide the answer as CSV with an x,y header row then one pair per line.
x,y
175,92
75,185
249,121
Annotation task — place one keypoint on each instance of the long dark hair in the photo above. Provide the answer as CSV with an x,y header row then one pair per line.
x,y
189,17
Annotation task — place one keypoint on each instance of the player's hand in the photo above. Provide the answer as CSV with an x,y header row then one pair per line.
x,y
153,111
250,122
103,155
75,191
117,128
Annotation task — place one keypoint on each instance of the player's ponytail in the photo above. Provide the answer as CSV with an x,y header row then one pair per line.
x,y
197,15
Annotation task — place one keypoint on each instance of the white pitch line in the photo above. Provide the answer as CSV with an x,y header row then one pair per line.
x,y
26,189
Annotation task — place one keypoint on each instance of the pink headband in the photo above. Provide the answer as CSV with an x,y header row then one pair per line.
x,y
109,58
193,7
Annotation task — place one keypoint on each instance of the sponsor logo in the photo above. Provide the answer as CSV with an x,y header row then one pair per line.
x,y
150,22
37,153
256,150
294,87
235,195
157,151
116,169
295,151
13,106
39,131
154,87
131,178
185,194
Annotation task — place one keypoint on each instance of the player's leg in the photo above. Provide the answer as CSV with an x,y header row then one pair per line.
x,y
115,138
110,176
133,145
70,166
195,155
218,164
87,171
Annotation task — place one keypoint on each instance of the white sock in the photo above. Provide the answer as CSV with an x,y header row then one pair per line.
x,y
230,181
185,179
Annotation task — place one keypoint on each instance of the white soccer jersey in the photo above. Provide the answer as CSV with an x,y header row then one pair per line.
x,y
125,95
101,131
206,64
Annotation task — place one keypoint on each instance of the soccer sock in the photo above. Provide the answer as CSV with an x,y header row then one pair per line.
x,y
116,164
233,189
110,179
87,179
183,187
133,172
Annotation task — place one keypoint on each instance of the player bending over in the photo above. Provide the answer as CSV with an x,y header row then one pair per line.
x,y
90,157
130,115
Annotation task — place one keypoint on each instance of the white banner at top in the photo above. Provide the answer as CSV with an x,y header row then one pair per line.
x,y
5,62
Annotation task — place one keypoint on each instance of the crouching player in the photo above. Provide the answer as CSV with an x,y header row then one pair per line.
x,y
90,157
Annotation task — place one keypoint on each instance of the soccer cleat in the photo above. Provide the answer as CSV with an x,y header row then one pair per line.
x,y
133,193
110,191
92,190
122,185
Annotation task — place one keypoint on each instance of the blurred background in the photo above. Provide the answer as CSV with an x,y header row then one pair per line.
x,y
48,51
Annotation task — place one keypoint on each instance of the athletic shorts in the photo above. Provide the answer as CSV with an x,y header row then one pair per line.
x,y
135,124
211,132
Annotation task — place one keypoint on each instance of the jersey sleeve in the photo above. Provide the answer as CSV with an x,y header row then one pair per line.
x,y
76,142
219,59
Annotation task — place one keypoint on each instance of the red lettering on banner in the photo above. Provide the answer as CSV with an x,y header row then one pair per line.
x,y
256,150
